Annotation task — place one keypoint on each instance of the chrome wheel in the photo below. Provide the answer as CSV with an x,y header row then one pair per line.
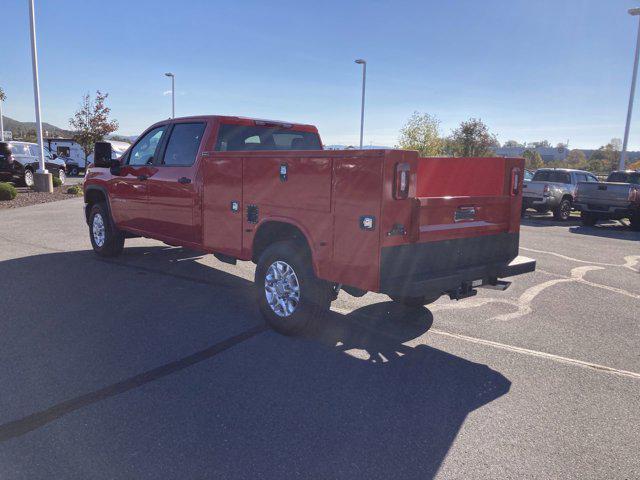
x,y
97,230
565,210
28,178
281,288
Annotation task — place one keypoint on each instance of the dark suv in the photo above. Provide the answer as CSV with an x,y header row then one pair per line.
x,y
19,161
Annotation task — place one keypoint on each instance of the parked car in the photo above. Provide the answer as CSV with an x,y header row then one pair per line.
x,y
615,199
314,221
19,161
553,189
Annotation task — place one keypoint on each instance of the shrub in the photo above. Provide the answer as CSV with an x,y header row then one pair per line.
x,y
56,181
7,191
74,190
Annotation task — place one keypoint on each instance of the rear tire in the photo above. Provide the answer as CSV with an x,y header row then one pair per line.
x,y
588,219
414,302
290,297
106,240
563,211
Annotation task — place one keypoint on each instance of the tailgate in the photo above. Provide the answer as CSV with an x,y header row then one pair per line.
x,y
439,218
466,197
603,193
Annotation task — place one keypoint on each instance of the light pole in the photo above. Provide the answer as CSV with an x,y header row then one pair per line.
x,y
42,179
1,121
623,155
173,93
364,81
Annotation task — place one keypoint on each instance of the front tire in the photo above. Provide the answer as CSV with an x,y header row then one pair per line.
x,y
290,297
106,240
563,211
28,178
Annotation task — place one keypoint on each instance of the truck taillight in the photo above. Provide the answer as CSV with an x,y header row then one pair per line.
x,y
515,181
634,195
401,184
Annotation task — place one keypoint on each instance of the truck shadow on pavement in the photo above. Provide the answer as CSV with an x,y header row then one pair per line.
x,y
613,229
90,375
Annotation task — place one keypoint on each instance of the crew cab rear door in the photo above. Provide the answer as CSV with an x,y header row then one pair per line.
x,y
173,187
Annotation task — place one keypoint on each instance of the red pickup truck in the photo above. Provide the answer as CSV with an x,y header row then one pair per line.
x,y
314,221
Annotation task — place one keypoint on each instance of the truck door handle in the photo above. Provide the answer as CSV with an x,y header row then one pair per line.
x,y
143,177
184,180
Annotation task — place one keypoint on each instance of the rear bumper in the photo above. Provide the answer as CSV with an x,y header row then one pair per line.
x,y
607,211
535,202
434,268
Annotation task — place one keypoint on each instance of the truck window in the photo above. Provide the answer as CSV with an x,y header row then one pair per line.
x,y
63,151
183,144
242,137
144,151
624,177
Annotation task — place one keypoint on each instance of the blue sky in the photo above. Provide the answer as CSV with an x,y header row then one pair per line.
x,y
538,69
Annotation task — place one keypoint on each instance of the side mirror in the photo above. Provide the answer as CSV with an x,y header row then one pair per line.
x,y
115,167
102,155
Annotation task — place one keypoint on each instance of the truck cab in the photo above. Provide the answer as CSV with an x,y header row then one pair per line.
x,y
314,221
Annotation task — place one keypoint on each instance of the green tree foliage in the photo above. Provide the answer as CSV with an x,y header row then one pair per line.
x,y
532,160
512,144
3,96
421,133
576,159
606,158
472,139
91,122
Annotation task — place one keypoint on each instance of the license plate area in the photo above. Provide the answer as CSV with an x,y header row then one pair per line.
x,y
464,213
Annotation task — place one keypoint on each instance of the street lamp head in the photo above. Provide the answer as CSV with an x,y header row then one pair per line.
x,y
169,74
634,11
361,61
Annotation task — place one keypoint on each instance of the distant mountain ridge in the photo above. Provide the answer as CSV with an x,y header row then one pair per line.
x,y
22,129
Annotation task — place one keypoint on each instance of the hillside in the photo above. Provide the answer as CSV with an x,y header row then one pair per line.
x,y
26,129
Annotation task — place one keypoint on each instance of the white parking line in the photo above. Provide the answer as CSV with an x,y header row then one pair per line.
x,y
535,353
630,261
363,355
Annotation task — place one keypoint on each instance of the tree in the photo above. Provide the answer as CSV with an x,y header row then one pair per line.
x,y
3,96
606,158
472,139
532,160
512,144
634,166
420,133
91,121
576,159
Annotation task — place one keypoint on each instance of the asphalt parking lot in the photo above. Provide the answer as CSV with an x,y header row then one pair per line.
x,y
156,365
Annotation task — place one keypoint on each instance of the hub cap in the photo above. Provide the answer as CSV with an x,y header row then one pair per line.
x,y
282,289
97,229
28,178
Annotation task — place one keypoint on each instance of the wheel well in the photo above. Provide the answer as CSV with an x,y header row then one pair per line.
x,y
271,232
92,197
568,197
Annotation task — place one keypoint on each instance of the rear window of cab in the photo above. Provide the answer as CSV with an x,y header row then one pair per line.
x,y
251,138
551,176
